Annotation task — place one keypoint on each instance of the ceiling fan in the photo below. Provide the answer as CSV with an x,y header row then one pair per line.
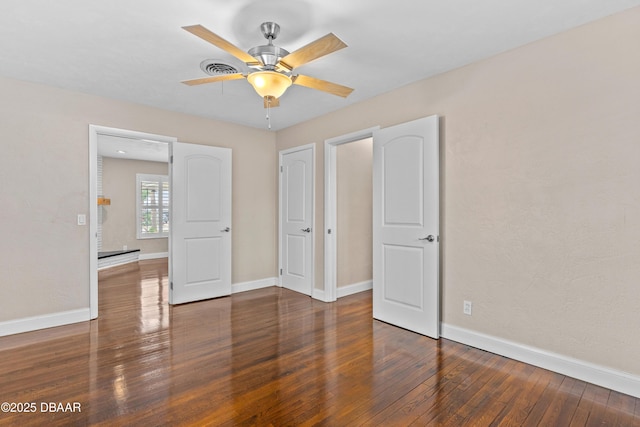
x,y
272,66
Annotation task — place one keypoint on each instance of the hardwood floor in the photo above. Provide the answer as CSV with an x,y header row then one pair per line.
x,y
274,357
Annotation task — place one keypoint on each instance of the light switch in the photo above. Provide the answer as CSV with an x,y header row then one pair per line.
x,y
82,219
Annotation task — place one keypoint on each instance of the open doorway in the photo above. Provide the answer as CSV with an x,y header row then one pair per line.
x,y
348,211
133,200
125,154
354,215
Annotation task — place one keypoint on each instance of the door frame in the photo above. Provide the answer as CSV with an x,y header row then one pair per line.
x,y
94,131
281,154
331,208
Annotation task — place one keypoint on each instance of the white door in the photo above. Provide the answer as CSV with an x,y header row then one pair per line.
x,y
405,226
200,237
296,219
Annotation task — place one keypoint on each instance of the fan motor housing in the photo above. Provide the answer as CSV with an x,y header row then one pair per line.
x,y
268,54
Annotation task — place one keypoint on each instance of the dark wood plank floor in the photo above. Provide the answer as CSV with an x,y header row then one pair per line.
x,y
274,357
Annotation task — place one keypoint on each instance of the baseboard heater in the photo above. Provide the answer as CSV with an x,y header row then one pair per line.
x,y
112,258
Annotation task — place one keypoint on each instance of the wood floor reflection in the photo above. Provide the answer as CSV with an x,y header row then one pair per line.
x,y
274,357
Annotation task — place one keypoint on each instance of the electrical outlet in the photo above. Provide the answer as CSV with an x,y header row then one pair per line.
x,y
466,308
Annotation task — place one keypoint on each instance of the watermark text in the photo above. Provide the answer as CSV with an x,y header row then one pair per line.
x,y
33,407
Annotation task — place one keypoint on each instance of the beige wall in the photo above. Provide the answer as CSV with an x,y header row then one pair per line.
x,y
119,218
44,184
540,187
354,212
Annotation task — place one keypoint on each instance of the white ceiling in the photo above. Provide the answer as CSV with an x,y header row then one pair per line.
x,y
136,50
132,148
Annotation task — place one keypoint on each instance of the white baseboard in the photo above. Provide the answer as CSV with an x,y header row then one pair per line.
x,y
319,295
343,291
354,288
28,324
620,381
157,255
271,281
254,284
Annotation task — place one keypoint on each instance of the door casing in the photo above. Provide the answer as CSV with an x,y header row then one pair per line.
x,y
331,208
94,131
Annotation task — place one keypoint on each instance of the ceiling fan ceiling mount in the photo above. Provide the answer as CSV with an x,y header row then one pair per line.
x,y
270,30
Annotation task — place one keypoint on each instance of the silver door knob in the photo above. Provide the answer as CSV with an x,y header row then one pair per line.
x,y
429,238
226,230
306,230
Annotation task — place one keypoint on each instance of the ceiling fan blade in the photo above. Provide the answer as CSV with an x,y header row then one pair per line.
x,y
314,50
213,79
323,85
216,40
271,102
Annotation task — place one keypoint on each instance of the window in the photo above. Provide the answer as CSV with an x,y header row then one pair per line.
x,y
152,212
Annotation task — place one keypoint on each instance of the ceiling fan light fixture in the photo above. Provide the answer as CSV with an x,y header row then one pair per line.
x,y
269,83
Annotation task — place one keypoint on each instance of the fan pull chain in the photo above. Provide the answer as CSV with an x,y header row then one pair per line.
x,y
269,111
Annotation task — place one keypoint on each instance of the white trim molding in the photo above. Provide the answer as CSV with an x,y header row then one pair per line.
x,y
94,132
319,294
330,207
254,284
354,288
620,381
34,323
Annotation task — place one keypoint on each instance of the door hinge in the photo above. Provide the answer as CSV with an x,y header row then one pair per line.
x,y
281,272
329,231
281,169
171,285
171,159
